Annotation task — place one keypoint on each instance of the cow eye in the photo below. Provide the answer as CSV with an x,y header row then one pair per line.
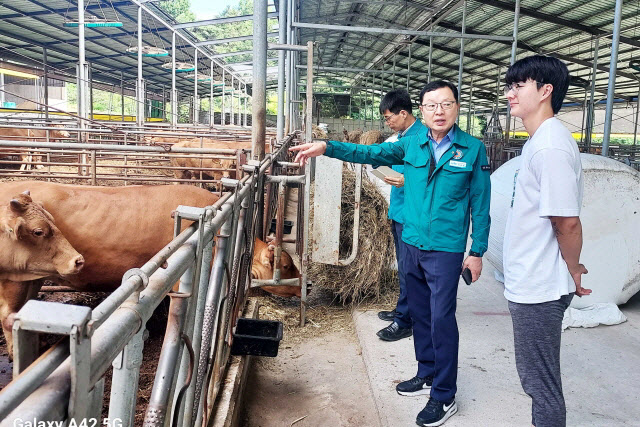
x,y
38,232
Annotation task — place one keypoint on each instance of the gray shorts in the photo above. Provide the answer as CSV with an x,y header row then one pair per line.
x,y
536,337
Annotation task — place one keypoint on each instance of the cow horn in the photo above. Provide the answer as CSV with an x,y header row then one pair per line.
x,y
26,192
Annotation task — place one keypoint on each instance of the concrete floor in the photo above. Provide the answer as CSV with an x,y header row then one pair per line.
x,y
600,366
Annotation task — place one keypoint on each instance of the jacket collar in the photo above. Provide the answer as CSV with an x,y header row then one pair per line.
x,y
413,129
460,137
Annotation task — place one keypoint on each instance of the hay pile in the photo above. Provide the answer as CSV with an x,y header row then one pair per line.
x,y
353,136
317,132
371,137
368,276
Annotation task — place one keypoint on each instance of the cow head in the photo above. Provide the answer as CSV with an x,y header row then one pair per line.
x,y
263,265
33,247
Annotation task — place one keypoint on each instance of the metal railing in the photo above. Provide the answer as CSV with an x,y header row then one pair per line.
x,y
67,381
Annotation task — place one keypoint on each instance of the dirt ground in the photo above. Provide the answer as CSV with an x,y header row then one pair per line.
x,y
318,377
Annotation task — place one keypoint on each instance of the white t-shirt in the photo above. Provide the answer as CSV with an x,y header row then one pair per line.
x,y
548,183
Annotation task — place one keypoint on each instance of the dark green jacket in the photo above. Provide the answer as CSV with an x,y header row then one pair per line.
x,y
436,209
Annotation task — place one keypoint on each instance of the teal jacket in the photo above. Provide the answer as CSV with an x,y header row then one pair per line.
x,y
396,202
437,209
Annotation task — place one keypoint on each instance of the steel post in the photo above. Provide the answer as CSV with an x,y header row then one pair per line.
x,y
409,69
282,28
82,86
469,107
46,83
174,92
308,135
461,55
635,125
212,304
122,95
124,384
591,106
211,95
2,94
393,78
259,107
233,90
196,101
613,66
430,57
223,119
139,82
514,48
198,330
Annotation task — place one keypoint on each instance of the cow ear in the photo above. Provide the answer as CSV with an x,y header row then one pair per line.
x,y
265,259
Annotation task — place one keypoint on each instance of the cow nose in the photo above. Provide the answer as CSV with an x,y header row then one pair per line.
x,y
79,262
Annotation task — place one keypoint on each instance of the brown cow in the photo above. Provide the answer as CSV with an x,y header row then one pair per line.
x,y
194,162
31,135
262,269
113,228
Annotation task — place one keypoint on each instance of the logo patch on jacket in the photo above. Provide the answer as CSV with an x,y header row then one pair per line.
x,y
458,164
457,155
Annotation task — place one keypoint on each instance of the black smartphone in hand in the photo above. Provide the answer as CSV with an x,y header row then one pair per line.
x,y
466,276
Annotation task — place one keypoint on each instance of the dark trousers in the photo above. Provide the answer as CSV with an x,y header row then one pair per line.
x,y
402,318
432,286
536,336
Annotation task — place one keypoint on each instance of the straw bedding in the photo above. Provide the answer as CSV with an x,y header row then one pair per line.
x,y
369,276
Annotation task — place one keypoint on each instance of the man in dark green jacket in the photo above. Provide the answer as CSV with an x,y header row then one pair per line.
x,y
446,183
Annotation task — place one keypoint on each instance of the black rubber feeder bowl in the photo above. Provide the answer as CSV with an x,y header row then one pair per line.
x,y
256,337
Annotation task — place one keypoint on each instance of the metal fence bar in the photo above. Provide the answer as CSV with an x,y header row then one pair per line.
x,y
114,324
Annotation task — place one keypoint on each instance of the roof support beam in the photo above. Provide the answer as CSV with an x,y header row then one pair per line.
x,y
501,4
217,21
231,40
396,31
564,57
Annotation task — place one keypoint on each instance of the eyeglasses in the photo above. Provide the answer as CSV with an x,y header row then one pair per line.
x,y
387,118
433,106
515,87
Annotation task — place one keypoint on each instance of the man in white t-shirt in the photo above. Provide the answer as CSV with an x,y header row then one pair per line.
x,y
543,236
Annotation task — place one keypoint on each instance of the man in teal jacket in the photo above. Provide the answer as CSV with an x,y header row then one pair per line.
x,y
446,183
397,109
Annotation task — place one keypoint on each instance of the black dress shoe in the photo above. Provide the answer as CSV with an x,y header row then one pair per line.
x,y
387,316
394,332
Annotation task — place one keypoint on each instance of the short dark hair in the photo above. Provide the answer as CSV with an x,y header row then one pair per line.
x,y
439,84
396,101
543,70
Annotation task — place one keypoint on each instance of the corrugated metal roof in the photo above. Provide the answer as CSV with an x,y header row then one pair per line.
x,y
28,26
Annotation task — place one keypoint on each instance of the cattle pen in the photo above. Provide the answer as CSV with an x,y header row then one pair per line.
x,y
113,94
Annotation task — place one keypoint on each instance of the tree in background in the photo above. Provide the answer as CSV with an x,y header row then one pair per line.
x,y
180,10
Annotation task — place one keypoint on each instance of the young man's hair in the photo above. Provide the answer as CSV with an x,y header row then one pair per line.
x,y
439,84
543,70
396,101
